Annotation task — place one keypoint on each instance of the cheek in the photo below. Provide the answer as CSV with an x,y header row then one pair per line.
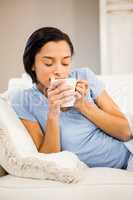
x,y
43,75
66,70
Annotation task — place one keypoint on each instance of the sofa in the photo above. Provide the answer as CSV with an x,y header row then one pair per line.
x,y
96,183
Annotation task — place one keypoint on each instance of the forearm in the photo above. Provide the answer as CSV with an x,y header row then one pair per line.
x,y
115,126
51,141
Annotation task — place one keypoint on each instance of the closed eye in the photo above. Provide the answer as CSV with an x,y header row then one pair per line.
x,y
52,64
65,64
48,65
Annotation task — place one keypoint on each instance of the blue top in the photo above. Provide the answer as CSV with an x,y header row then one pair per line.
x,y
78,134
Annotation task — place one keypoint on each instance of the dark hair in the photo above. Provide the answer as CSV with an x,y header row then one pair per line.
x,y
36,41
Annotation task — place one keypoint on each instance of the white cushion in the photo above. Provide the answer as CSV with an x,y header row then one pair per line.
x,y
120,88
19,156
18,133
24,82
96,184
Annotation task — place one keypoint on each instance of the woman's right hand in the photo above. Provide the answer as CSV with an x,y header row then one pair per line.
x,y
58,93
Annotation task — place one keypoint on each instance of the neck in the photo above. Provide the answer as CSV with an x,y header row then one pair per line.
x,y
42,89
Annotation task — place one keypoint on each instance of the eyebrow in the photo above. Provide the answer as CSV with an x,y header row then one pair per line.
x,y
49,57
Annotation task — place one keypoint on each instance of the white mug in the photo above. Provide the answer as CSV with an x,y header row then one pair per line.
x,y
71,82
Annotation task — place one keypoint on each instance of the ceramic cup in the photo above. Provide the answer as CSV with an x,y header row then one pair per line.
x,y
71,82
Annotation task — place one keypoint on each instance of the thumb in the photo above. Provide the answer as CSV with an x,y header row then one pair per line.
x,y
77,95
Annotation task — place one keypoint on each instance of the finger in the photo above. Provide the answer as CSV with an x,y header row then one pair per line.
x,y
62,96
80,92
83,87
78,95
63,87
83,82
54,100
69,93
80,85
67,100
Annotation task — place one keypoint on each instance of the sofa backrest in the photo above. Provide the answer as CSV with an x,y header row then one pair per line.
x,y
120,87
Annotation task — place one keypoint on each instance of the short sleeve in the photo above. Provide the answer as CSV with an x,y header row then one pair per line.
x,y
96,85
21,104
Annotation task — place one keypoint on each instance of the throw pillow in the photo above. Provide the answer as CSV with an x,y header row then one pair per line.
x,y
19,156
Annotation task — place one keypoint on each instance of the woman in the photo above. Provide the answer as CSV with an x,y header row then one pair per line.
x,y
94,128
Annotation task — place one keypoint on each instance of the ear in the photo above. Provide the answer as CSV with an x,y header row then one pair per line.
x,y
33,68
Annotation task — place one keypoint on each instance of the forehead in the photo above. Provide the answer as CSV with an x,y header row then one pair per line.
x,y
53,48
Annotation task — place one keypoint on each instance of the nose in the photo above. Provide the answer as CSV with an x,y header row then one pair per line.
x,y
58,71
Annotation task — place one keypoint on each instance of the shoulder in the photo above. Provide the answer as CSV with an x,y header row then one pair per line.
x,y
23,98
22,102
80,73
96,86
83,73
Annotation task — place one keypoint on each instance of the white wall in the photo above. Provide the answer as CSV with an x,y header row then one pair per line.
x,y
116,36
18,19
86,30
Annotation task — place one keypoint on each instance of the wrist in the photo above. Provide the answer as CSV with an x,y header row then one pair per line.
x,y
53,116
83,105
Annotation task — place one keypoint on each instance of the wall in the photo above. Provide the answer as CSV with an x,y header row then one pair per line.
x,y
116,17
18,19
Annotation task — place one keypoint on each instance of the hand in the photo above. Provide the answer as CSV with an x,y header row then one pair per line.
x,y
58,93
81,91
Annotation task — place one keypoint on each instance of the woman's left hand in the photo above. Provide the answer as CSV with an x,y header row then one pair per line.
x,y
81,91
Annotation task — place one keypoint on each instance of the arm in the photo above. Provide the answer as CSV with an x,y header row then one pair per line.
x,y
45,142
49,142
105,114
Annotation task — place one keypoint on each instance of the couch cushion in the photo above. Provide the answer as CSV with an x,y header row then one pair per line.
x,y
19,156
96,184
18,134
120,87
